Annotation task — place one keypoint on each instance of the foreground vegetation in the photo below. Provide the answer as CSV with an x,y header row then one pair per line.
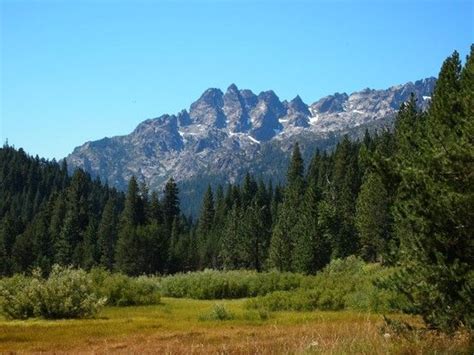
x,y
344,284
183,326
74,293
213,284
341,309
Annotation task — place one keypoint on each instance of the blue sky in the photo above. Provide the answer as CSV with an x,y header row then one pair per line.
x,y
74,71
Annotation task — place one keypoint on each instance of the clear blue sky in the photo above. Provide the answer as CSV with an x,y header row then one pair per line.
x,y
73,71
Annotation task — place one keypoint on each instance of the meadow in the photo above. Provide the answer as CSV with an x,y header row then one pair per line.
x,y
339,310
182,326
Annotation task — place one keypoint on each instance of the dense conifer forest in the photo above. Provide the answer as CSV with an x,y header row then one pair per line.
x,y
402,198
338,206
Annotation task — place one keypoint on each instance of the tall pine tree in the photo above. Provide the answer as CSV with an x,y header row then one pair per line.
x,y
434,206
283,237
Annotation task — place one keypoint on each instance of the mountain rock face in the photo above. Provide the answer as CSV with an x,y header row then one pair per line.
x,y
226,134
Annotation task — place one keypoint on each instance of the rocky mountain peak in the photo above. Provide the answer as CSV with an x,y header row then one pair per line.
x,y
232,88
207,110
330,104
212,96
265,116
250,99
272,102
236,110
297,105
297,114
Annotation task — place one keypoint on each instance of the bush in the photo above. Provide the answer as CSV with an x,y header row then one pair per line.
x,y
211,284
66,293
218,312
343,284
122,290
17,296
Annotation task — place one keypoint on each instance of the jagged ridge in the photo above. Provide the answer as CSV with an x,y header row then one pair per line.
x,y
225,134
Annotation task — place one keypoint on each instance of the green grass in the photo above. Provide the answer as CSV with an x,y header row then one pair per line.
x,y
177,326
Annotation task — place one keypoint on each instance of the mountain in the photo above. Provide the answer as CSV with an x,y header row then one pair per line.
x,y
223,135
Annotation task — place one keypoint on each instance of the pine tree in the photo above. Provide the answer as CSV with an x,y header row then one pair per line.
x,y
144,203
221,211
177,249
131,214
254,236
129,248
296,167
232,253
90,254
129,251
344,187
434,207
170,203
58,215
153,246
68,238
155,211
312,250
372,218
283,237
192,256
249,189
44,252
107,234
204,230
23,251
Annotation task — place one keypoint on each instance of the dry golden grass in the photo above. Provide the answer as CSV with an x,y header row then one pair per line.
x,y
174,327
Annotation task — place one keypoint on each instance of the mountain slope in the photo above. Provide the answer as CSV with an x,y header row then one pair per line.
x,y
223,135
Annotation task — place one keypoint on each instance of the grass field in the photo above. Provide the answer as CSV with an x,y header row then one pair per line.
x,y
178,326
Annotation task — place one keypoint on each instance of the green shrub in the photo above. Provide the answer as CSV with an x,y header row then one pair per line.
x,y
122,290
211,284
218,312
343,284
17,296
66,293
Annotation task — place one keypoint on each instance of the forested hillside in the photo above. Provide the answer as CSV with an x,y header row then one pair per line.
x,y
48,217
